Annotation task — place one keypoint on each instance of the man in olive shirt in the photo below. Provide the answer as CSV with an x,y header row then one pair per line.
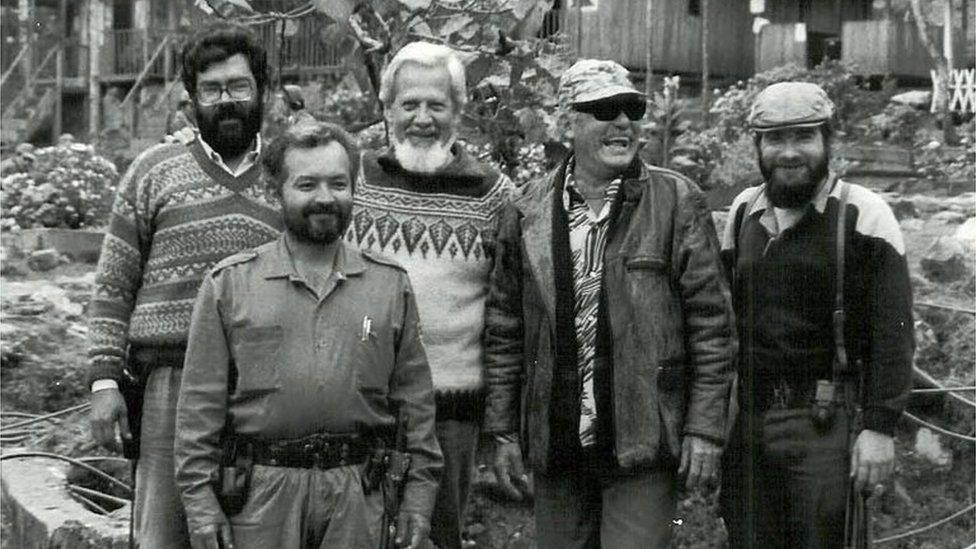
x,y
302,340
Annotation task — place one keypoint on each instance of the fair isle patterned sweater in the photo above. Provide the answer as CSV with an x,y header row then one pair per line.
x,y
441,228
177,213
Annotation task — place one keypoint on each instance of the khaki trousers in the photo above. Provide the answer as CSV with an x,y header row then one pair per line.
x,y
290,508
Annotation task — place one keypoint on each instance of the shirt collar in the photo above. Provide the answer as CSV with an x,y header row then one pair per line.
x,y
250,158
280,264
570,192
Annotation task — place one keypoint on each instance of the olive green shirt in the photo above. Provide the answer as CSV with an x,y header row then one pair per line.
x,y
339,362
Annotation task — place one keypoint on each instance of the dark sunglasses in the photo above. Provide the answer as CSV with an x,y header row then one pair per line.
x,y
608,111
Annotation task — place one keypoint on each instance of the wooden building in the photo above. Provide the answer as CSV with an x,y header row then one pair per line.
x,y
58,54
618,30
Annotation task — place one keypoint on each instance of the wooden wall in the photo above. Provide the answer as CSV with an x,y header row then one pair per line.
x,y
893,47
617,29
778,45
821,16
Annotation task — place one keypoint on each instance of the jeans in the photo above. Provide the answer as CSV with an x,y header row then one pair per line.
x,y
158,515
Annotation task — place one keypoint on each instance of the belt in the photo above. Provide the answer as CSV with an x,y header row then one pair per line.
x,y
783,394
319,451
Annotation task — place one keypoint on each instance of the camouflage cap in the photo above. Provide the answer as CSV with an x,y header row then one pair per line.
x,y
790,104
594,79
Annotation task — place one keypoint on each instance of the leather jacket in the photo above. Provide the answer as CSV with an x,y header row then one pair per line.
x,y
667,303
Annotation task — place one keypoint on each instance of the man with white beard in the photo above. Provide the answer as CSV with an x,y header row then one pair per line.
x,y
426,203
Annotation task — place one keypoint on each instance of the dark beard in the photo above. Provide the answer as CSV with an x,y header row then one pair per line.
x,y
229,128
794,196
299,225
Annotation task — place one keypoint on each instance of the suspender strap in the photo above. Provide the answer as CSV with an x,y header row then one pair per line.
x,y
840,350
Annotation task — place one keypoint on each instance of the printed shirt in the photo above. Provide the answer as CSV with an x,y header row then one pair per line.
x,y
587,241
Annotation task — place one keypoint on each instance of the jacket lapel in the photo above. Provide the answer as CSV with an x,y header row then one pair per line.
x,y
537,237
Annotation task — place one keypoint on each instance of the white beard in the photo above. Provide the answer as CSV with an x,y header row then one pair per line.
x,y
426,160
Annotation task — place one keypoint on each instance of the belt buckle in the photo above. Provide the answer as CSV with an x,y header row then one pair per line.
x,y
782,395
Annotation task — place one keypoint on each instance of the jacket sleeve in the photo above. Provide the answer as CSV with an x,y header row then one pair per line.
x,y
503,329
202,410
709,320
892,334
412,392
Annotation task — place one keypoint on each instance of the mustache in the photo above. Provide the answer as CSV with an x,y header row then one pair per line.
x,y
320,209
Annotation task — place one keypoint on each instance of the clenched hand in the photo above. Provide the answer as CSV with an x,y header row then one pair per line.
x,y
108,410
699,461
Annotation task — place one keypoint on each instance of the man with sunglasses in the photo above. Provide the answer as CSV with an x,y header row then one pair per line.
x,y
180,209
609,339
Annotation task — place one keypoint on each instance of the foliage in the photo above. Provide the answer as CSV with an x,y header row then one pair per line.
x,y
896,124
731,109
511,73
725,152
67,186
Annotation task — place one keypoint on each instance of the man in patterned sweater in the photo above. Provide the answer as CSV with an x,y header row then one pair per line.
x,y
181,208
430,206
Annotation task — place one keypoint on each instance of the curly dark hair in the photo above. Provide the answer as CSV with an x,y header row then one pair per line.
x,y
219,41
306,135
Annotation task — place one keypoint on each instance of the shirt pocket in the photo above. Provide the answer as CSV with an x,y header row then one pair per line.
x,y
256,354
373,357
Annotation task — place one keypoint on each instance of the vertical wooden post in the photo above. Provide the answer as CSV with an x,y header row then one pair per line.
x,y
96,36
57,122
649,54
579,28
58,92
25,19
705,85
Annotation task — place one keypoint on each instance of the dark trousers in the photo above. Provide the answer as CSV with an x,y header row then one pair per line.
x,y
459,443
789,489
585,508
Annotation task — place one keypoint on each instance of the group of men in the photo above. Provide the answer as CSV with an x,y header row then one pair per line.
x,y
322,336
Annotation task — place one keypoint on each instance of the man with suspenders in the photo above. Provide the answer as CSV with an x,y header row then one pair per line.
x,y
823,303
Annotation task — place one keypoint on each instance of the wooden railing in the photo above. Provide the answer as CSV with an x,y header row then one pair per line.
x,y
127,52
303,51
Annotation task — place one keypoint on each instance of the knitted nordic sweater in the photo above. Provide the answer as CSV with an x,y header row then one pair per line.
x,y
177,213
441,228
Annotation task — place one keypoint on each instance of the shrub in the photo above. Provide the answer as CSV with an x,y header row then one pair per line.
x,y
67,186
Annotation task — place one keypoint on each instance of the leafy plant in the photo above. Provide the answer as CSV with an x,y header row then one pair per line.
x,y
67,186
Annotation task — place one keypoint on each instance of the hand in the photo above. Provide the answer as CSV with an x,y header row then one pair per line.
x,y
213,536
872,459
508,468
699,461
412,530
107,410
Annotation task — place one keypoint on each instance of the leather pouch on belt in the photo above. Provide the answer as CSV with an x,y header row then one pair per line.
x,y
233,488
235,479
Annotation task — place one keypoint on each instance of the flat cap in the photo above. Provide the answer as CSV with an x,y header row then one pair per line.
x,y
790,104
594,79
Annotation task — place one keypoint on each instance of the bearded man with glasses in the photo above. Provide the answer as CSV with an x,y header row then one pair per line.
x,y
609,340
181,208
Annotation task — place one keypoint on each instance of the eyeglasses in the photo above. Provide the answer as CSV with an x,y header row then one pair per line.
x,y
238,90
608,111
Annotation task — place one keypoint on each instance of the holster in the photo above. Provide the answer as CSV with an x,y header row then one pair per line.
x,y
234,478
132,385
